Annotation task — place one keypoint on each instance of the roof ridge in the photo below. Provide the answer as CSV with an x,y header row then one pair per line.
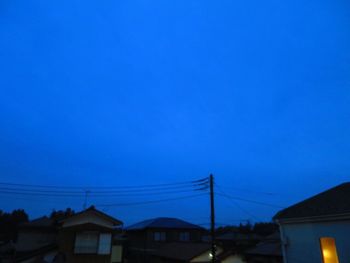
x,y
314,202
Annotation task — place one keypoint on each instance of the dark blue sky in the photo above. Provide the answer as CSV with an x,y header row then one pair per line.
x,y
99,93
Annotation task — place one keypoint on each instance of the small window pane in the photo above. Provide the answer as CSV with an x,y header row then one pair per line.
x,y
329,250
159,236
184,236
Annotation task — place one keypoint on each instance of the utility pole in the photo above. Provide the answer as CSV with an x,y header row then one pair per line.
x,y
212,219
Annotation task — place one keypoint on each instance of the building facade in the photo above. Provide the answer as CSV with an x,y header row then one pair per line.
x,y
317,230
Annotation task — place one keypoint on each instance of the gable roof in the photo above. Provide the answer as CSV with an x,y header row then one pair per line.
x,y
99,213
335,201
163,222
181,251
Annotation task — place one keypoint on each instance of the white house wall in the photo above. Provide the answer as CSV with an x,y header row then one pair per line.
x,y
303,245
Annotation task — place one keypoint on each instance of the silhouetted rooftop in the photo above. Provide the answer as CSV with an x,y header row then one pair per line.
x,y
163,222
335,201
43,221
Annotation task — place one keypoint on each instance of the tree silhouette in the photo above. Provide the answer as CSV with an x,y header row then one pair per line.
x,y
9,223
62,214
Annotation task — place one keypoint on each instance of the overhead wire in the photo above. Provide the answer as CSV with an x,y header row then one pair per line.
x,y
250,201
193,182
237,205
161,189
149,202
172,189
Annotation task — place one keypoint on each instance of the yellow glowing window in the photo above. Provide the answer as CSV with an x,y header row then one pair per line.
x,y
329,250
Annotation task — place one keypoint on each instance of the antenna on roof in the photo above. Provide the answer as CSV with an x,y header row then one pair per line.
x,y
87,192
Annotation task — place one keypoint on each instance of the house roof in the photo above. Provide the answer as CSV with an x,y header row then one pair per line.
x,y
274,236
42,222
335,201
267,248
163,222
99,213
236,236
181,251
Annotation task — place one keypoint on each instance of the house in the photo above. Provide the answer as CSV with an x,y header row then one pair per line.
x,y
231,256
181,252
87,237
146,237
35,235
267,251
83,237
318,228
7,252
237,240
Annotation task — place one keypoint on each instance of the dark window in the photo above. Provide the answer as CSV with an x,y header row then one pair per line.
x,y
93,243
86,243
184,236
159,236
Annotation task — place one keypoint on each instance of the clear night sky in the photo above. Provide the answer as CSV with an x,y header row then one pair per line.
x,y
99,93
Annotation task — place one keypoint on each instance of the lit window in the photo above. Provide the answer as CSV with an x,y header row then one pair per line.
x,y
329,250
184,236
159,236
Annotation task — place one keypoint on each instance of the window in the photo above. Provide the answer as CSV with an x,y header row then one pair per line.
x,y
184,236
93,243
328,250
159,236
104,247
86,243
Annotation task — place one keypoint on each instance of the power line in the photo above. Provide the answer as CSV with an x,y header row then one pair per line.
x,y
251,191
236,204
96,195
96,191
34,191
251,201
150,202
161,189
199,182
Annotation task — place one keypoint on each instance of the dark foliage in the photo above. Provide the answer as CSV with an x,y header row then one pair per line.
x,y
260,228
9,224
225,229
245,228
62,214
265,228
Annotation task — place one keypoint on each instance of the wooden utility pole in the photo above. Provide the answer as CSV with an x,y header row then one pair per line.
x,y
212,219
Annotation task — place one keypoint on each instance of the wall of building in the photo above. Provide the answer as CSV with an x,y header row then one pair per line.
x,y
205,257
144,239
117,254
303,245
66,242
234,259
30,240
